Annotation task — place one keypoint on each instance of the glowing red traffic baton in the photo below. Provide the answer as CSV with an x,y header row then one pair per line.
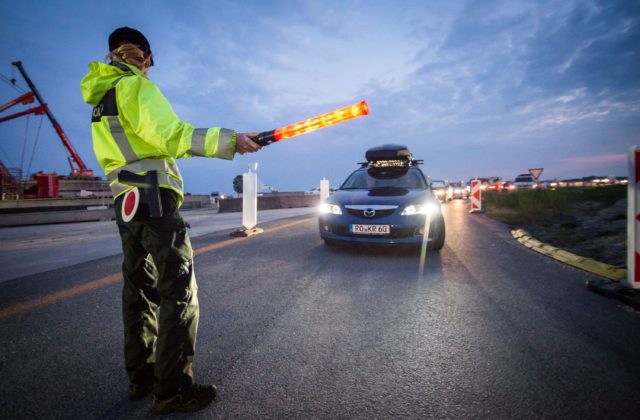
x,y
330,118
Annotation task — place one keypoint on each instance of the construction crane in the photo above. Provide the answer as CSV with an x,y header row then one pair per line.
x,y
25,99
78,168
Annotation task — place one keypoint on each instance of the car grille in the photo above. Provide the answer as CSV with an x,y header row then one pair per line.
x,y
378,213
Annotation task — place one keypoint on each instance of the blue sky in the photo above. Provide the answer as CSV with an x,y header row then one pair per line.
x,y
475,88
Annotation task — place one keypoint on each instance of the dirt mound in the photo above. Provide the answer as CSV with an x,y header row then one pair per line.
x,y
590,229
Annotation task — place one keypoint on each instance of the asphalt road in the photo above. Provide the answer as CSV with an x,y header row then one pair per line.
x,y
292,329
67,244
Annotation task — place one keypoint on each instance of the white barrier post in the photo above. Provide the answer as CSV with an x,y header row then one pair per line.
x,y
249,203
324,189
249,200
476,196
633,219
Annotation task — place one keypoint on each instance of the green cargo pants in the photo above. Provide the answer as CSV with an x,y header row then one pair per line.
x,y
158,274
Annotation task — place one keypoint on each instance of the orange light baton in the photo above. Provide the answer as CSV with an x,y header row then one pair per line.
x,y
310,124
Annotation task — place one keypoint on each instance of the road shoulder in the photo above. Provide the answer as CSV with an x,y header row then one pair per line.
x,y
612,277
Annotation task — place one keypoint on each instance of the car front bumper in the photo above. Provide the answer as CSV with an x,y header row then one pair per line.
x,y
403,229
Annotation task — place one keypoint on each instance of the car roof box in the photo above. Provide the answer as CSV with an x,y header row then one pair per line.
x,y
388,152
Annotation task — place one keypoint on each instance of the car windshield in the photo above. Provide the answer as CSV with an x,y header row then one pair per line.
x,y
524,179
437,184
367,179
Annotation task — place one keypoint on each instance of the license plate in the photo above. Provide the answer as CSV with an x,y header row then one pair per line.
x,y
369,229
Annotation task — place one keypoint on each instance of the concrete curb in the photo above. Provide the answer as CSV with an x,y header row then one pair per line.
x,y
587,264
612,289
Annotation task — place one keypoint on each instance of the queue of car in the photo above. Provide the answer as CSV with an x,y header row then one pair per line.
x,y
389,200
460,189
524,181
442,189
521,182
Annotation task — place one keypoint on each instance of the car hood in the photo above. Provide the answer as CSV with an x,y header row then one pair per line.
x,y
381,196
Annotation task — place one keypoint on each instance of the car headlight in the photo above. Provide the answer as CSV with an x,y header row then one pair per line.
x,y
427,208
326,208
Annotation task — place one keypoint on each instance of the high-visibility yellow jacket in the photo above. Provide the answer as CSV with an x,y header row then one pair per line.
x,y
134,128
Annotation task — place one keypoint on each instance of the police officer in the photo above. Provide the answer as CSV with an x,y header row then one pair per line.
x,y
135,129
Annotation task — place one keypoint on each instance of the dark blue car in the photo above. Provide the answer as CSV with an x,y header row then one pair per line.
x,y
387,201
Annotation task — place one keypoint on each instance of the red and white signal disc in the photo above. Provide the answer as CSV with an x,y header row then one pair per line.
x,y
130,204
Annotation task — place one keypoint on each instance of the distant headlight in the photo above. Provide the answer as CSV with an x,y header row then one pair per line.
x,y
457,191
428,208
327,208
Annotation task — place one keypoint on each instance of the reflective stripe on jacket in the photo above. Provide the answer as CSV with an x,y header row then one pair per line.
x,y
134,128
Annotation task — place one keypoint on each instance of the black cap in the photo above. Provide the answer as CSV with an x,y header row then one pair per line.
x,y
125,34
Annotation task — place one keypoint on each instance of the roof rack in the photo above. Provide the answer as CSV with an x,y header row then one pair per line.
x,y
391,163
389,155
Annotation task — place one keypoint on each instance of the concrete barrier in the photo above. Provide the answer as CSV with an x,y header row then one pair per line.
x,y
272,201
61,216
41,212
196,201
59,210
45,204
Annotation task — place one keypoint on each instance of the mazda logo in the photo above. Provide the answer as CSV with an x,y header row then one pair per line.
x,y
369,212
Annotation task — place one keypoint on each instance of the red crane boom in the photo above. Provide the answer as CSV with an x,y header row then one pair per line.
x,y
79,169
25,99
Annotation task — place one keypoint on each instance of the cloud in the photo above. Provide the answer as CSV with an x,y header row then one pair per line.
x,y
515,82
593,45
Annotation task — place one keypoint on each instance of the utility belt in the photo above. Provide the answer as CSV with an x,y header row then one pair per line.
x,y
158,173
168,174
146,192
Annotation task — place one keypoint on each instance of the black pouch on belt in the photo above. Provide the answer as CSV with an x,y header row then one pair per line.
x,y
147,192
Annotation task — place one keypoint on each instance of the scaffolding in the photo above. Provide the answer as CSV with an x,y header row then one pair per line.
x,y
10,184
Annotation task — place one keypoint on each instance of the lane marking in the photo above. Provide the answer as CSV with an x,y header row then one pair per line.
x,y
48,299
58,296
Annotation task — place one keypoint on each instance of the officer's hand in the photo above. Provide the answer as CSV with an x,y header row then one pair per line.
x,y
244,144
